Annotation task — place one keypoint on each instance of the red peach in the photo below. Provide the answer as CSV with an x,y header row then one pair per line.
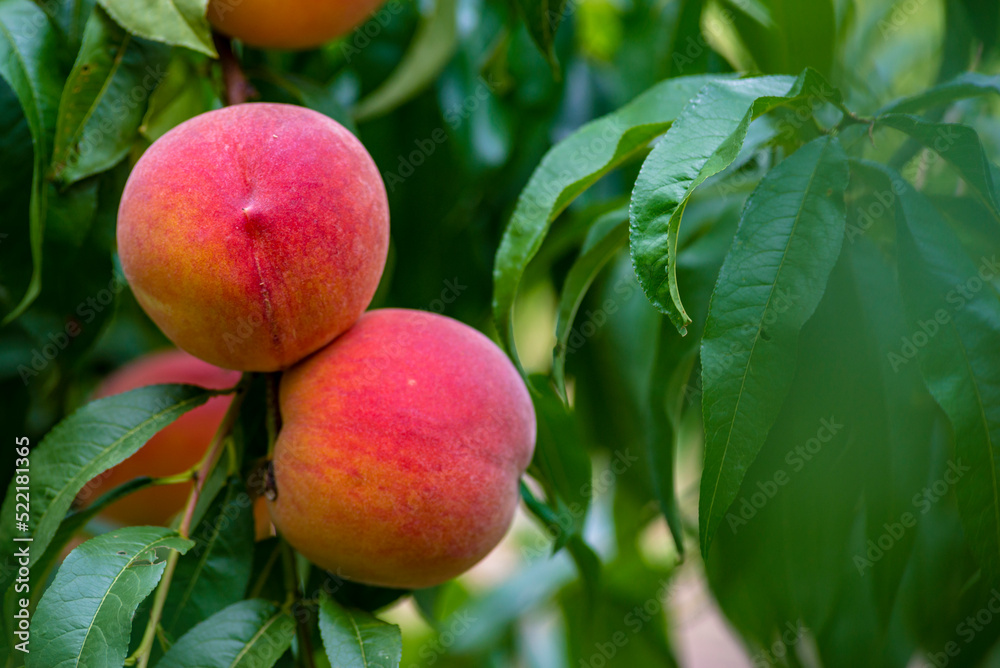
x,y
254,234
292,24
401,449
175,449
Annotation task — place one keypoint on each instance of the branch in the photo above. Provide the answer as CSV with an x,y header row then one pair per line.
x,y
141,656
237,87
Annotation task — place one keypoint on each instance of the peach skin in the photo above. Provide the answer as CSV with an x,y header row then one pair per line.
x,y
401,449
254,234
290,24
175,449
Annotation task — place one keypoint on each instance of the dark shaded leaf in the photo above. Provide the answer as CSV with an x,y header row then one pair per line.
x,y
249,634
772,279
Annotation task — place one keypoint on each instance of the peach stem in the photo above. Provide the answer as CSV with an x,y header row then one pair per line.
x,y
204,469
238,88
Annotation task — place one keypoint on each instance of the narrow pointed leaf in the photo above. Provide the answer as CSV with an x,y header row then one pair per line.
x,y
959,145
604,239
542,18
705,139
965,85
98,436
430,51
561,461
249,634
98,115
174,22
787,243
356,639
954,311
28,63
568,169
216,571
85,616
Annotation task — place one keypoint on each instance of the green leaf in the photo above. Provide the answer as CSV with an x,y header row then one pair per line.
x,y
542,18
357,639
787,243
28,48
98,114
949,301
85,617
76,521
249,634
174,22
95,438
958,144
561,461
786,35
317,97
428,53
704,140
605,238
183,94
216,572
568,169
967,84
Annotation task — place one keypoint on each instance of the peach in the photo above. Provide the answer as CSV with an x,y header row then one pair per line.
x,y
292,24
173,450
401,449
254,234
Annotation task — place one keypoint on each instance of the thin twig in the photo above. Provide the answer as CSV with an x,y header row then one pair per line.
x,y
238,88
141,656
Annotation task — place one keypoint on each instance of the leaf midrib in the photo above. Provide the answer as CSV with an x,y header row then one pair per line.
x,y
100,605
112,445
115,66
254,638
361,642
746,369
986,429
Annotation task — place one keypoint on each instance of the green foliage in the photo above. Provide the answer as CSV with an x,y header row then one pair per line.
x,y
356,638
27,64
248,633
569,169
772,279
793,366
90,441
110,67
85,616
216,571
175,22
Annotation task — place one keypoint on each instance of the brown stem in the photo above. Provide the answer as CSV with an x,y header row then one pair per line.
x,y
237,87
